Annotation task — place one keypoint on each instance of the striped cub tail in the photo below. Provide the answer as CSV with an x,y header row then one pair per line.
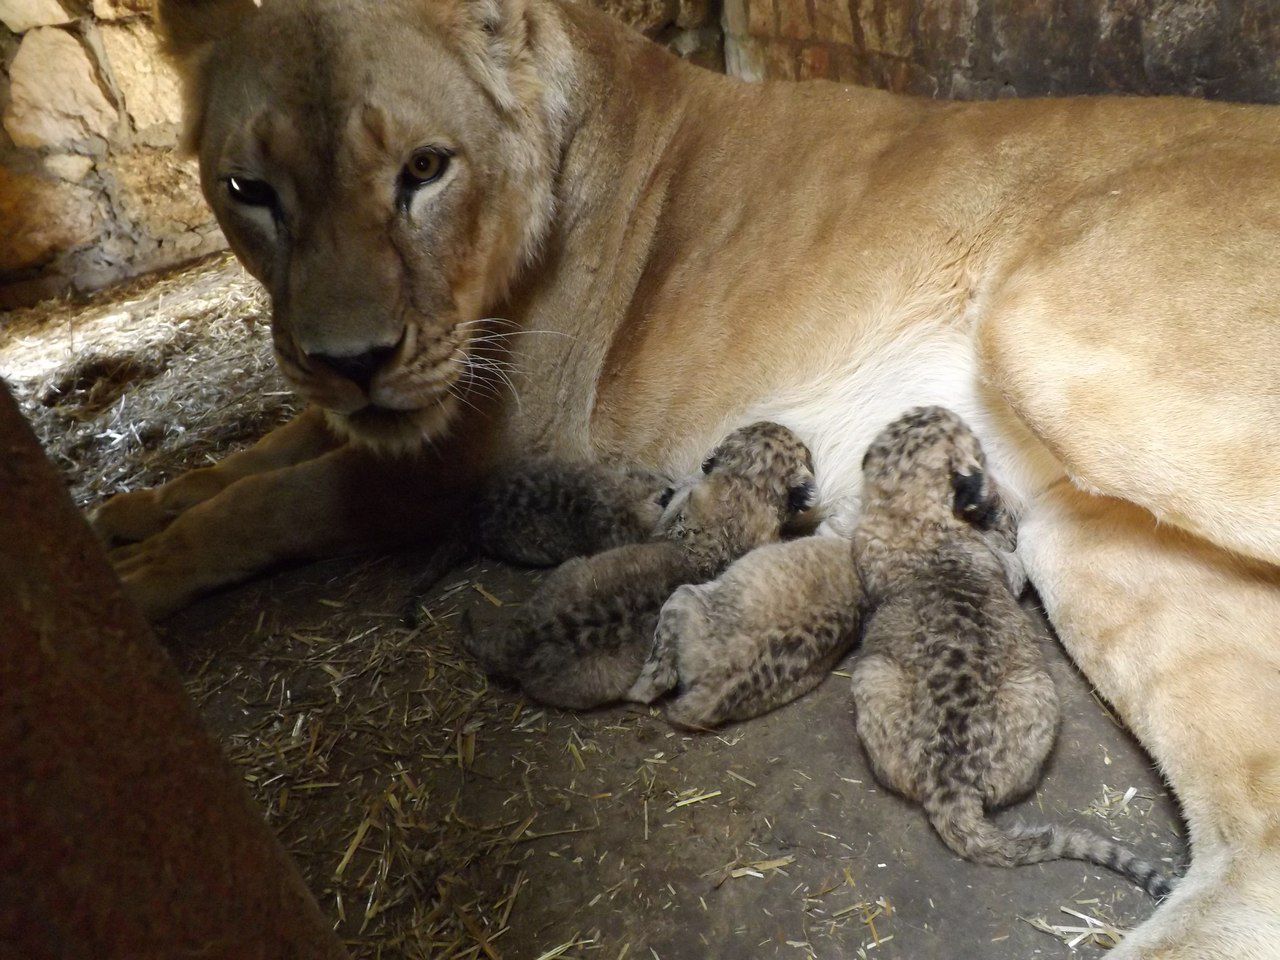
x,y
963,825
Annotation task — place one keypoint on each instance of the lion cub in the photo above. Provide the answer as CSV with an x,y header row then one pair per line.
x,y
583,637
545,512
766,632
954,705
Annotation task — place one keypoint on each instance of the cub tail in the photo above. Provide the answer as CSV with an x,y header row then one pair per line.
x,y
958,816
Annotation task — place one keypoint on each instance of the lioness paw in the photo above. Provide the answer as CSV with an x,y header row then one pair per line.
x,y
130,517
157,574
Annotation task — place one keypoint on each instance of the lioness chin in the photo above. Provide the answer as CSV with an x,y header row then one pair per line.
x,y
512,226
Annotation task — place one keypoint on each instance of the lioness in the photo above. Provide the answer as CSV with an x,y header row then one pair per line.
x,y
1094,285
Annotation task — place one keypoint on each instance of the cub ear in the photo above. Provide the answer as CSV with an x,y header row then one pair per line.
x,y
801,495
189,26
975,501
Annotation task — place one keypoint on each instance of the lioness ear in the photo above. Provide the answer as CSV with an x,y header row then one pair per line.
x,y
496,35
189,26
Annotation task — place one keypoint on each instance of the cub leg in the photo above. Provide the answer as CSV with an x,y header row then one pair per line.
x,y
1184,639
1027,704
138,514
681,615
344,501
882,703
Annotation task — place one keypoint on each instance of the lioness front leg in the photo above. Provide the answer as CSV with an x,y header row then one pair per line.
x,y
347,500
1184,639
138,514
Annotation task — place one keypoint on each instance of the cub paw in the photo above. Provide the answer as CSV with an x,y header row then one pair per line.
x,y
656,679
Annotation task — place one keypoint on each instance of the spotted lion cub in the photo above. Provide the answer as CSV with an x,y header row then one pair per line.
x,y
764,633
544,512
583,637
954,705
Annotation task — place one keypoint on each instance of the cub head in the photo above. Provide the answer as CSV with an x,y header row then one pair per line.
x,y
757,482
931,463
385,168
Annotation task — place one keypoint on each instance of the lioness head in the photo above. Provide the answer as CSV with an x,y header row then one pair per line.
x,y
385,168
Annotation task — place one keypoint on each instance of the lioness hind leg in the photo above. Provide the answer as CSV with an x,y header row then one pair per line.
x,y
345,501
138,514
1184,639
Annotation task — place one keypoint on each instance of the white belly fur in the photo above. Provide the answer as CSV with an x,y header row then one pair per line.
x,y
838,413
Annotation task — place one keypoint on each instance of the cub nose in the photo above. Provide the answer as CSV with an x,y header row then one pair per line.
x,y
359,368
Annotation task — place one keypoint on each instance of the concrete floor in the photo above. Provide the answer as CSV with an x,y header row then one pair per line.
x,y
769,839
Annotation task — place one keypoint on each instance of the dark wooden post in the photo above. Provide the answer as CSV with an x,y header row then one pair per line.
x,y
124,832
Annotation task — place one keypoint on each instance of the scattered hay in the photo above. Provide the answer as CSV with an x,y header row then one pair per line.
x,y
1094,932
137,384
360,743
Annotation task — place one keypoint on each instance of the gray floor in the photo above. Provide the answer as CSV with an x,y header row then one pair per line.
x,y
618,835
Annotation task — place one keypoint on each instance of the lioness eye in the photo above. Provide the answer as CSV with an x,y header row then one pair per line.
x,y
252,193
426,166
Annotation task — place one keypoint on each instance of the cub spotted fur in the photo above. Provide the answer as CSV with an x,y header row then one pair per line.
x,y
583,637
764,633
954,705
546,512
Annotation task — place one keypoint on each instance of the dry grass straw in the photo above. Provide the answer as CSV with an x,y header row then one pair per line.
x,y
134,385
359,741
1082,930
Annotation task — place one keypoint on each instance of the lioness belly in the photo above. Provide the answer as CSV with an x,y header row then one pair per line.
x,y
838,404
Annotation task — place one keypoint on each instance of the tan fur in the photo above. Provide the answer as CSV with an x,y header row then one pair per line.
x,y
581,640
767,631
1099,277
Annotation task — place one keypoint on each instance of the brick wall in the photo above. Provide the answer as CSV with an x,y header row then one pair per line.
x,y
1225,49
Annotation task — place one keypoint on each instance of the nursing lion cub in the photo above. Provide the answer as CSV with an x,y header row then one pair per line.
x,y
452,201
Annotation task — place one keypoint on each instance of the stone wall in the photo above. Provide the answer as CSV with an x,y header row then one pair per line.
x,y
90,188
1223,49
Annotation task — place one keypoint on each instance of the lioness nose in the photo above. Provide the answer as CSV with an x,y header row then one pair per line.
x,y
359,368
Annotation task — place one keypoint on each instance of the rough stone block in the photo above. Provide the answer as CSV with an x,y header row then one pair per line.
x,y
149,85
762,18
54,96
69,166
781,61
115,9
1228,49
744,58
815,63
886,24
40,219
21,15
793,20
693,13
157,192
733,16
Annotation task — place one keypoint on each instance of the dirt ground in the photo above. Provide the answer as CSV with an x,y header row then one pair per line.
x,y
438,816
